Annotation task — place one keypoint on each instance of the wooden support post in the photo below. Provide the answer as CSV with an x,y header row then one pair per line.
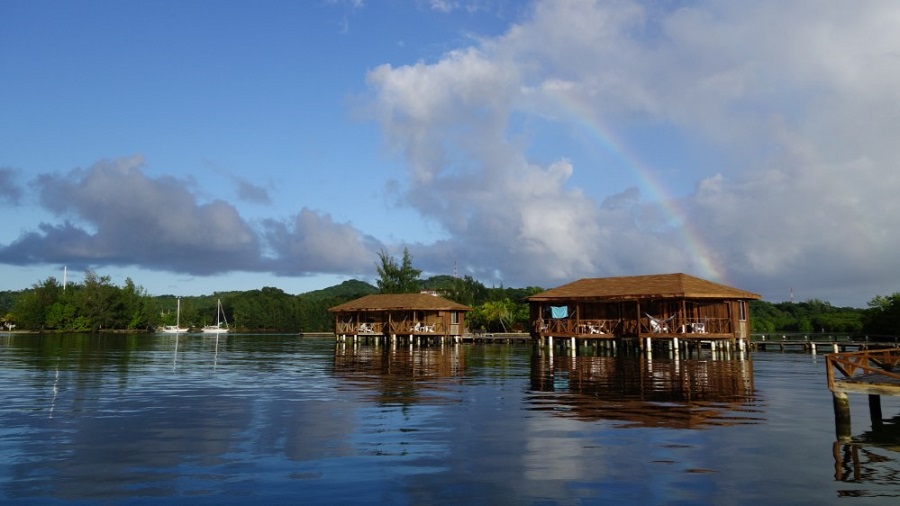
x,y
842,426
875,411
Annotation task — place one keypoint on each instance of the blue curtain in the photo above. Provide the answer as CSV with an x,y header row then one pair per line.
x,y
559,311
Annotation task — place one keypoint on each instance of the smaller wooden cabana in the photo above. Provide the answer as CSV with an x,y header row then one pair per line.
x,y
667,306
403,315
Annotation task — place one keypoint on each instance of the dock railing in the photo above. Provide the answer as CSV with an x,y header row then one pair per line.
x,y
354,328
856,365
822,337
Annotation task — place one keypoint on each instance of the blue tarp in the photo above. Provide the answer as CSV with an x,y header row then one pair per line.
x,y
559,311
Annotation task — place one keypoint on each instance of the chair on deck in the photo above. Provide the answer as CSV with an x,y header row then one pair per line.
x,y
692,328
658,326
595,329
365,327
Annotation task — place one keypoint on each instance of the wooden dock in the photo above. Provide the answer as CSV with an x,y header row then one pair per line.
x,y
815,343
871,372
497,338
818,346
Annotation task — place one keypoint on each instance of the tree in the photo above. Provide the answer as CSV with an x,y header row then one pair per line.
x,y
99,301
465,290
134,305
502,311
397,278
883,315
31,308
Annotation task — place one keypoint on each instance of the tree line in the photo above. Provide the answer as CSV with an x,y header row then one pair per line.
x,y
97,305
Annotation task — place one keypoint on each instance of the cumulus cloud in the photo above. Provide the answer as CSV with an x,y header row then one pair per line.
x,y
313,243
797,106
250,192
10,191
113,214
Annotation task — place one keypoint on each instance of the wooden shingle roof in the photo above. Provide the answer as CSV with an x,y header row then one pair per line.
x,y
399,302
657,286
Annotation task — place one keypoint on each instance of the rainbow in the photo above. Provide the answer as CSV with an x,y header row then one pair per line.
x,y
702,259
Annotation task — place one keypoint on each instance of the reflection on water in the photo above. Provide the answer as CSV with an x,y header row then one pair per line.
x,y
280,419
645,391
872,457
399,375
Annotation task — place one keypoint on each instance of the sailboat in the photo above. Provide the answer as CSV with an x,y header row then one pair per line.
x,y
177,328
220,320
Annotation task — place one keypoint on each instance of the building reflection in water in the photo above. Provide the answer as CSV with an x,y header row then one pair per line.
x,y
646,391
400,375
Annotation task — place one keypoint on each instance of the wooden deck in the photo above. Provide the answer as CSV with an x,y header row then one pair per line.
x,y
872,384
871,372
813,346
608,329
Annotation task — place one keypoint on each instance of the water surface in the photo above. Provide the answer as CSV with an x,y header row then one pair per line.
x,y
283,419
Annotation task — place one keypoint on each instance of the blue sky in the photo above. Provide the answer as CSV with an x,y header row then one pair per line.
x,y
200,146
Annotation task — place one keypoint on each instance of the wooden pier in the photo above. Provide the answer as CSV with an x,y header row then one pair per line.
x,y
816,346
871,372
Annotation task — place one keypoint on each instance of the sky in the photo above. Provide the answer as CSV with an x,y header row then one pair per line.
x,y
203,146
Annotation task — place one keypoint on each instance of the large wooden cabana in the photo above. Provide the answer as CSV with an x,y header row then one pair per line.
x,y
404,315
667,306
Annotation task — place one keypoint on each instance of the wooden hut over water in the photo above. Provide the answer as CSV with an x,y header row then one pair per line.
x,y
419,316
662,306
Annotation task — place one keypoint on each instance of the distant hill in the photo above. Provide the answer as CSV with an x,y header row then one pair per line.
x,y
348,290
438,283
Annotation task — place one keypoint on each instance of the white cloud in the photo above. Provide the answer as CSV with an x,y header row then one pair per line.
x,y
796,100
315,244
115,215
10,192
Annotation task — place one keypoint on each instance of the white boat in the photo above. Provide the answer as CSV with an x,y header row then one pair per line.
x,y
220,320
177,328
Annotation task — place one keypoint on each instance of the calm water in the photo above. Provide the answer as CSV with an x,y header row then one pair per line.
x,y
281,419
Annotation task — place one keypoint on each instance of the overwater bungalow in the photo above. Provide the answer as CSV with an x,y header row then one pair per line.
x,y
406,315
662,306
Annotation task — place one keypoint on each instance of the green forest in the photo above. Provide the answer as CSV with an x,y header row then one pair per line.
x,y
97,305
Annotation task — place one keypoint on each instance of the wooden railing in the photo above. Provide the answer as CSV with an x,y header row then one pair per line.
x,y
381,328
417,328
575,327
616,327
690,326
354,328
879,363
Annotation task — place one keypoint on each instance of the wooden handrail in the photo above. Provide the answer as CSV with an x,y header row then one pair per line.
x,y
850,364
623,326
